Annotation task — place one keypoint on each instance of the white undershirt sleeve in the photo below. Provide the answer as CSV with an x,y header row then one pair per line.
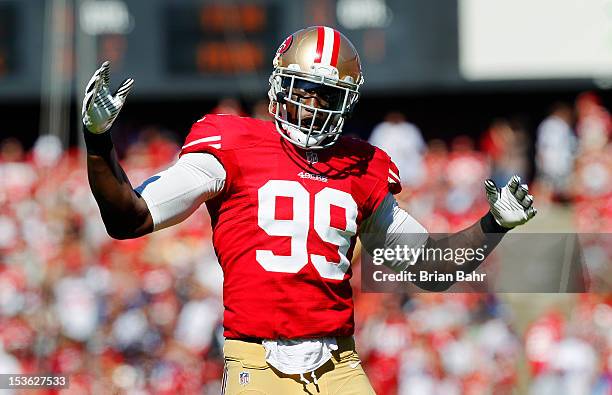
x,y
175,193
390,226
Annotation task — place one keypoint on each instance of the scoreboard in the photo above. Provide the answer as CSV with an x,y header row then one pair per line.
x,y
198,48
213,48
219,39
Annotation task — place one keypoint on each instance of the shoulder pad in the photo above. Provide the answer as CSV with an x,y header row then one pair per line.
x,y
381,166
222,132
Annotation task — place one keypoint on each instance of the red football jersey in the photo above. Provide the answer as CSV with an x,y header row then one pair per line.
x,y
284,226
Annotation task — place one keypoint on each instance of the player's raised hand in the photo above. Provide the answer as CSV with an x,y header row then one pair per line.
x,y
512,204
100,106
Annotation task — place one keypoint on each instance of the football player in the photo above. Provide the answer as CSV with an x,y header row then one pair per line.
x,y
287,199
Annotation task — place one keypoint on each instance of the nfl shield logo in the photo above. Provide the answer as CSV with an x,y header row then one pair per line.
x,y
245,377
312,157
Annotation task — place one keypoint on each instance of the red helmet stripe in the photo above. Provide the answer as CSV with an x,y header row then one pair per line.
x,y
320,43
336,50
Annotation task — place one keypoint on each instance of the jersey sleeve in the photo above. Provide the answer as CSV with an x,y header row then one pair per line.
x,y
205,136
386,180
394,182
210,135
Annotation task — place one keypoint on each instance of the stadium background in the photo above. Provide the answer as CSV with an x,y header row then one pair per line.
x,y
476,77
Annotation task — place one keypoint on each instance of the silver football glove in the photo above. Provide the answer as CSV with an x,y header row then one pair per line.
x,y
100,106
511,205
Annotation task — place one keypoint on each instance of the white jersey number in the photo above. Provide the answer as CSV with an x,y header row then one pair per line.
x,y
297,227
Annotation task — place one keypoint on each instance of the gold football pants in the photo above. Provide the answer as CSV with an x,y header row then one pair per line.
x,y
247,373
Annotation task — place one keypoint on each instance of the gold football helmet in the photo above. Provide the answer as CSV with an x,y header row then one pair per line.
x,y
315,62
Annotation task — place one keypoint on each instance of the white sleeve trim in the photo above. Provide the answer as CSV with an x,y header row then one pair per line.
x,y
390,226
175,193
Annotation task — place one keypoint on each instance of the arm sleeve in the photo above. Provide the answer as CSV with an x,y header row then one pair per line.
x,y
390,226
175,193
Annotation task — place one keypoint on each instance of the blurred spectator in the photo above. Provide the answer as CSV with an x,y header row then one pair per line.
x,y
506,144
16,175
260,110
427,202
47,151
11,150
466,169
466,166
403,142
594,124
555,150
229,106
592,176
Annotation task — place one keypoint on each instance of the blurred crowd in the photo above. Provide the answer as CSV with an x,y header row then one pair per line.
x,y
144,316
572,354
435,344
571,163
